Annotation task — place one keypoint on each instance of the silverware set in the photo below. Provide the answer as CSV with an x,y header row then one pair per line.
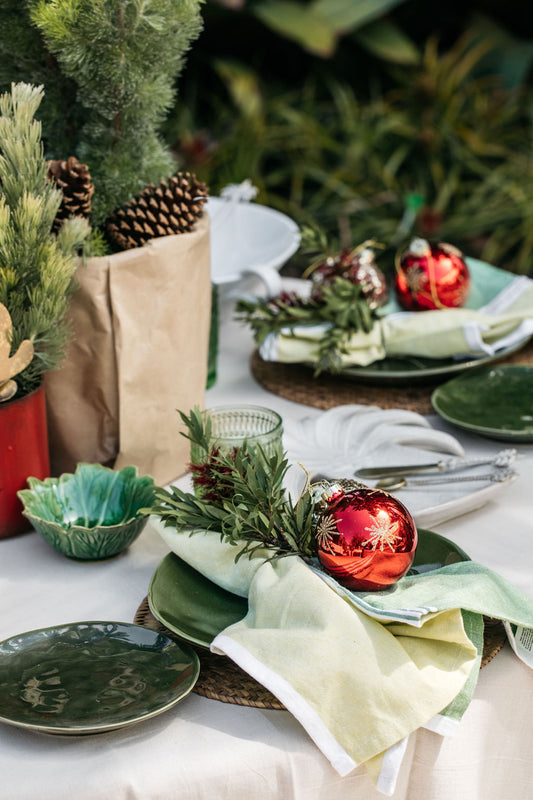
x,y
391,483
502,460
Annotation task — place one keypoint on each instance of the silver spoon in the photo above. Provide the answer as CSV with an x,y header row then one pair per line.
x,y
390,484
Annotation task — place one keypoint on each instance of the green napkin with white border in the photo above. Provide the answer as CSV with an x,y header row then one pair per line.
x,y
418,646
505,319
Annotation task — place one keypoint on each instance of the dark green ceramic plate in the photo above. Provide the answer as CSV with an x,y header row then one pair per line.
x,y
415,369
195,609
91,677
495,402
190,605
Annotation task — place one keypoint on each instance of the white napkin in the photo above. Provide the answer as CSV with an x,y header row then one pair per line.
x,y
344,439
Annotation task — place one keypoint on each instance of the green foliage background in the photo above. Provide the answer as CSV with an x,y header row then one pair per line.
x,y
412,118
370,118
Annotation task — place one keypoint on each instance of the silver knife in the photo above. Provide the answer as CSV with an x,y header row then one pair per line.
x,y
503,458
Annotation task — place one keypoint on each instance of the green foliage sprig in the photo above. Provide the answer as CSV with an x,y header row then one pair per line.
x,y
342,306
24,58
253,512
36,267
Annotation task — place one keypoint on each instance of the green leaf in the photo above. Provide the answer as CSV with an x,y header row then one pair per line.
x,y
385,40
243,86
346,15
300,23
510,57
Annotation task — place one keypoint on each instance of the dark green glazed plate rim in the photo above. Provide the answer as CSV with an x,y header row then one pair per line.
x,y
416,369
196,609
496,402
92,677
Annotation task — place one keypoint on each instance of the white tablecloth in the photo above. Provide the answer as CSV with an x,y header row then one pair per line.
x,y
207,749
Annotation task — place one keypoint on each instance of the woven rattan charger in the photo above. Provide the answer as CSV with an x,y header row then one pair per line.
x,y
221,679
297,383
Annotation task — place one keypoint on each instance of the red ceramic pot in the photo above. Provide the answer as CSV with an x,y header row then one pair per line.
x,y
23,453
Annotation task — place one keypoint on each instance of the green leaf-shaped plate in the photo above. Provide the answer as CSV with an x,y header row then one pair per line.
x,y
495,402
91,677
197,610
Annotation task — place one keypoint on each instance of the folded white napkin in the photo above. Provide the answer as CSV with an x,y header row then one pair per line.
x,y
351,436
337,442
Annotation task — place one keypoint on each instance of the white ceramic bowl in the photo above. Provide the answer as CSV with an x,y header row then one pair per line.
x,y
248,238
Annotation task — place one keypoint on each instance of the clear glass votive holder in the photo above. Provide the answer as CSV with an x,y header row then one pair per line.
x,y
232,425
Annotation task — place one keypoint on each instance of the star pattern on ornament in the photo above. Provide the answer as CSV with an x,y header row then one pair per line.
x,y
324,531
416,279
383,534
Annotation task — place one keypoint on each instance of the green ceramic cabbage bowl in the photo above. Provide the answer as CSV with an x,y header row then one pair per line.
x,y
92,514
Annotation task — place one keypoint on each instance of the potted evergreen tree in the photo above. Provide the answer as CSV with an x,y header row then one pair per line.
x,y
36,282
140,316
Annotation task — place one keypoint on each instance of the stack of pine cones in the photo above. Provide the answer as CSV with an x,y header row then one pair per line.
x,y
170,207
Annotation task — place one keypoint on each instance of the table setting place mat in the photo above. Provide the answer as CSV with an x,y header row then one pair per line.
x,y
221,679
410,655
406,354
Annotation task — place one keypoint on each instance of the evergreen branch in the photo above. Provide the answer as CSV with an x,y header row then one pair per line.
x,y
199,428
251,510
36,268
343,310
313,241
124,57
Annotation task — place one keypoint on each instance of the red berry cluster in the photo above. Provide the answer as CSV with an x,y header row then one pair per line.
x,y
208,477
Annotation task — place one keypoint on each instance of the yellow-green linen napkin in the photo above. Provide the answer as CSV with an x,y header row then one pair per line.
x,y
355,685
443,333
359,670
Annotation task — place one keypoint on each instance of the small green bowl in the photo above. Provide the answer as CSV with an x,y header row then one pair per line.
x,y
91,514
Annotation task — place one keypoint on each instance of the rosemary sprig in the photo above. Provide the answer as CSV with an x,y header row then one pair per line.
x,y
343,308
252,511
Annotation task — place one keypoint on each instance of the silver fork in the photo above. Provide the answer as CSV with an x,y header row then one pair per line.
x,y
502,460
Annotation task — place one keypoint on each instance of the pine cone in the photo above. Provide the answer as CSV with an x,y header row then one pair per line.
x,y
173,206
74,180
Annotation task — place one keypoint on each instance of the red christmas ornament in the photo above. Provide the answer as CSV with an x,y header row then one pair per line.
x,y
366,538
431,276
357,266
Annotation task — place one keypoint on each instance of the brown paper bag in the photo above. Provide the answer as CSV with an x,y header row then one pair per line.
x,y
140,323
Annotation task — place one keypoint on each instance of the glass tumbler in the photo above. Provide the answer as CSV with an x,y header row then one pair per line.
x,y
231,425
